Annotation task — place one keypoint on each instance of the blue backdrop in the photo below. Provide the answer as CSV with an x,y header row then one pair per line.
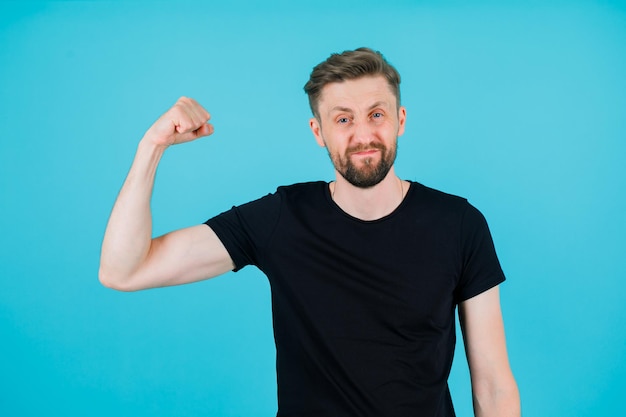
x,y
520,108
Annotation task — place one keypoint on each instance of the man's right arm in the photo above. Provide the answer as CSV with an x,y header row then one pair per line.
x,y
131,259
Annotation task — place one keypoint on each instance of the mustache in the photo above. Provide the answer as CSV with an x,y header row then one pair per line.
x,y
366,147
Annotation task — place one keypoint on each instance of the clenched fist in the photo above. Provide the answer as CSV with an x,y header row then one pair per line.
x,y
185,121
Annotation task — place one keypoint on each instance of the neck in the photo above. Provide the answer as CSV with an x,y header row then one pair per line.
x,y
369,203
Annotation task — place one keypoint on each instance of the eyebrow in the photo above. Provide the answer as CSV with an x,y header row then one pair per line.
x,y
348,110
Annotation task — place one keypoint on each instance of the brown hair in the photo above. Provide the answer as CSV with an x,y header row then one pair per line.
x,y
350,65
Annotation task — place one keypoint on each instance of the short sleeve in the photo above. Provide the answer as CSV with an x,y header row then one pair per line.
x,y
245,230
480,268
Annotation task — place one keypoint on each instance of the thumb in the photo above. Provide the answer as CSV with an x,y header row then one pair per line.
x,y
205,130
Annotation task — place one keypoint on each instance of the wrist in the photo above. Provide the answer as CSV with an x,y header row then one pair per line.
x,y
149,145
148,155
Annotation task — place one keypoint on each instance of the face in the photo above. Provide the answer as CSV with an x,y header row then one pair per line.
x,y
359,124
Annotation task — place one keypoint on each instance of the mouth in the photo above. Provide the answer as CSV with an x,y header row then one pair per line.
x,y
367,152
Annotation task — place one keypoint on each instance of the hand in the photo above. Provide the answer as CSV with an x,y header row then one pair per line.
x,y
185,121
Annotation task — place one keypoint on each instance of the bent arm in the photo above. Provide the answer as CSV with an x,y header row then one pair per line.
x,y
494,389
131,259
180,257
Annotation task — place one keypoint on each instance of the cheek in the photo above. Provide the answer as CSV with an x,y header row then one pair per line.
x,y
390,130
334,139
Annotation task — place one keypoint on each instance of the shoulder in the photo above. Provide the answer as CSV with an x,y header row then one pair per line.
x,y
304,193
284,195
449,208
430,198
302,188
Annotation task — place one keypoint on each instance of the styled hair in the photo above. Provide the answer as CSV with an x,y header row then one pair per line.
x,y
350,65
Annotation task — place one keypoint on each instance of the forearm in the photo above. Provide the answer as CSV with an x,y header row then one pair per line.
x,y
494,389
128,234
498,402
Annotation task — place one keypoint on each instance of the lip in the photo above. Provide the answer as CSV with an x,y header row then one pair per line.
x,y
366,152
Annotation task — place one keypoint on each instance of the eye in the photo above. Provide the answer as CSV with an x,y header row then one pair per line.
x,y
377,115
343,120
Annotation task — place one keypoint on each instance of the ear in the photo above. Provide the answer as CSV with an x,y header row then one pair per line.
x,y
316,128
401,120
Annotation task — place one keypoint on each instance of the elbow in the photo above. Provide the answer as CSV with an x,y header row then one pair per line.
x,y
114,281
500,399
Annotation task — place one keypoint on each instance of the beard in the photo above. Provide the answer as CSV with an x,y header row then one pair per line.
x,y
371,173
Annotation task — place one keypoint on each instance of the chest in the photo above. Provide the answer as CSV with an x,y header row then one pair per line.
x,y
361,278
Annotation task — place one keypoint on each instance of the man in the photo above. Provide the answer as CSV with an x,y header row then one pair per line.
x,y
366,271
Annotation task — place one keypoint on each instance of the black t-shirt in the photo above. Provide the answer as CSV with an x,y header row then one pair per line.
x,y
363,311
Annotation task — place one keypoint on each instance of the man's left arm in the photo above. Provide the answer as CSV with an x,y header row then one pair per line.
x,y
494,389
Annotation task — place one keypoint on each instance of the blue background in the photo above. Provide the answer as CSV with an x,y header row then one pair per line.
x,y
519,106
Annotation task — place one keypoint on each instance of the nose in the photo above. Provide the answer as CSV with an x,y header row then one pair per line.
x,y
363,132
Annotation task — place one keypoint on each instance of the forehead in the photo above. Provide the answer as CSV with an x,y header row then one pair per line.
x,y
356,94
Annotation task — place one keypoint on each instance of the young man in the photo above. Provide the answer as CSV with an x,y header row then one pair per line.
x,y
366,271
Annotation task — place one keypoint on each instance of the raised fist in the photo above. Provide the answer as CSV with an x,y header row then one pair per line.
x,y
185,121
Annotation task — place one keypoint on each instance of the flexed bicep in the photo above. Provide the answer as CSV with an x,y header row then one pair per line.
x,y
180,257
